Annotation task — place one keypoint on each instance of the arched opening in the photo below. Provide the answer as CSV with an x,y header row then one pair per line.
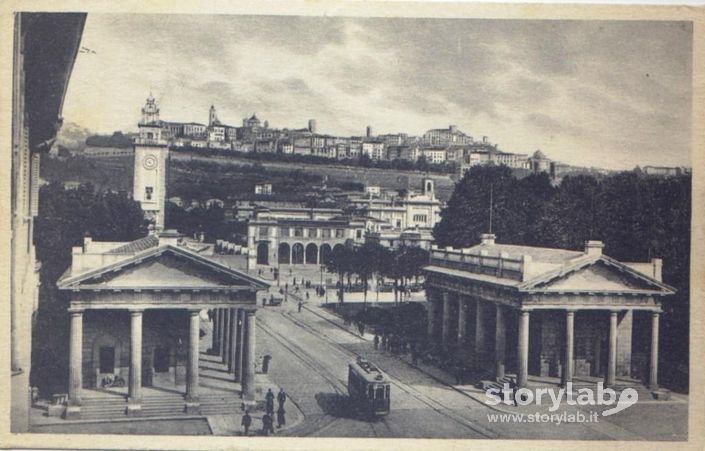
x,y
312,254
284,254
338,246
262,254
325,253
297,254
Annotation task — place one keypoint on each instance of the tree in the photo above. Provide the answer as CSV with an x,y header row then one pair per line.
x,y
340,262
366,263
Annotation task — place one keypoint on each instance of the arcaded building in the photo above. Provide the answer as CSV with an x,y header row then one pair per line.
x,y
499,308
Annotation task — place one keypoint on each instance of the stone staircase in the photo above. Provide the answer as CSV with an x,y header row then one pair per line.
x,y
159,405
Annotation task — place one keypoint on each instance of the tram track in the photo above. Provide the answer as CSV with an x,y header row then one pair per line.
x,y
405,388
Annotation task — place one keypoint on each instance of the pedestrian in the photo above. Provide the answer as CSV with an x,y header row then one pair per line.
x,y
300,305
384,342
264,302
361,328
307,296
376,342
267,424
281,397
458,375
269,400
513,390
281,419
246,422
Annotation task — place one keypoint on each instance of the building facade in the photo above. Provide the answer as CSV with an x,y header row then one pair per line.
x,y
546,312
299,236
44,51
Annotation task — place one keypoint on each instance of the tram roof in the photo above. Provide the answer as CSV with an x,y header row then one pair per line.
x,y
369,371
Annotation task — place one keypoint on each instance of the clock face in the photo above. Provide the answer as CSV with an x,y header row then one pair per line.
x,y
150,162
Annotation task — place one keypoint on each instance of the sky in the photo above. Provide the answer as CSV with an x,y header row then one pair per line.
x,y
611,94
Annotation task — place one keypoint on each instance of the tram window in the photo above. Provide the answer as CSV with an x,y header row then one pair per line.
x,y
371,392
386,392
380,393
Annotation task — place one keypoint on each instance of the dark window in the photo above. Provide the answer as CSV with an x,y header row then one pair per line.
x,y
107,359
161,359
370,392
148,192
380,393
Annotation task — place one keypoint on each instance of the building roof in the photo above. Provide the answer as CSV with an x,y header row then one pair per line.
x,y
50,45
538,254
139,245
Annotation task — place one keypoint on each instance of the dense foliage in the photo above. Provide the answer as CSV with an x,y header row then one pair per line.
x,y
117,139
638,217
373,260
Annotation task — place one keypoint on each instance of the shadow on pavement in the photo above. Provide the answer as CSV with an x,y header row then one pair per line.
x,y
341,406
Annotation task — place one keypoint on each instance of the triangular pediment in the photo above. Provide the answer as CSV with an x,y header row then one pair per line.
x,y
164,268
599,275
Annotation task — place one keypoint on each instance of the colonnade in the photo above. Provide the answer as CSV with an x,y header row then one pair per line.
x,y
444,303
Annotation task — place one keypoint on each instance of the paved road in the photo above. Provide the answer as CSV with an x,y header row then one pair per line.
x,y
310,361
310,357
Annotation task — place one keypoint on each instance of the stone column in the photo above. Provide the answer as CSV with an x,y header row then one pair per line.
x,y
192,403
431,315
567,375
462,328
523,351
445,327
248,361
134,400
233,341
500,341
214,331
610,377
653,366
480,343
240,344
221,332
73,410
227,339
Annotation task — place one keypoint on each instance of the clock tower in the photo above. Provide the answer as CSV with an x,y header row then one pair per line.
x,y
151,158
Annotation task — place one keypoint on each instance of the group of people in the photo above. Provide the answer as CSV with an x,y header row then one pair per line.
x,y
268,417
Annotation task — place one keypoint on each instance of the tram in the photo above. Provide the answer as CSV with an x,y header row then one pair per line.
x,y
368,387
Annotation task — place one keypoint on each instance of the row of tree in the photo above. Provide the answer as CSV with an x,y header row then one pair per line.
x,y
371,259
364,160
638,217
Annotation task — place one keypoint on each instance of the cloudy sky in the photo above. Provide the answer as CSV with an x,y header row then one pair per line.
x,y
608,94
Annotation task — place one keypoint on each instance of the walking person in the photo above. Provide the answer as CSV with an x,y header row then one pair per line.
x,y
281,419
267,424
513,390
281,397
376,342
269,401
246,422
300,305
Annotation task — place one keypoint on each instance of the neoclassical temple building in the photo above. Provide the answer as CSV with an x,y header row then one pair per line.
x,y
135,313
546,312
